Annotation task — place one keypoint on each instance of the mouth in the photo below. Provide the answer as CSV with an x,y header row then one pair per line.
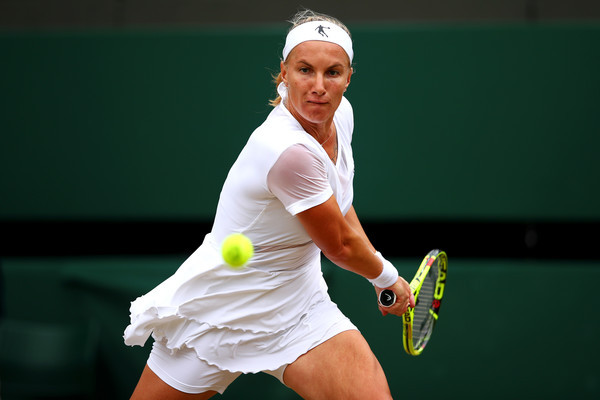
x,y
317,102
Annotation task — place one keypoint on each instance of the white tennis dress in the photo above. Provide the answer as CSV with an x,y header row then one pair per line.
x,y
269,313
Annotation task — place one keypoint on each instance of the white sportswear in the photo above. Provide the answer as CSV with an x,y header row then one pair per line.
x,y
269,313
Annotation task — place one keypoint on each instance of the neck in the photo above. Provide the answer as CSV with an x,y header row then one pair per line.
x,y
325,136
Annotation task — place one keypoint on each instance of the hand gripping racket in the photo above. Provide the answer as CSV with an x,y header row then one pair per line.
x,y
428,288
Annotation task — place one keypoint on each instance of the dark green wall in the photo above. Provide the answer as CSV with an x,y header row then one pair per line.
x,y
491,122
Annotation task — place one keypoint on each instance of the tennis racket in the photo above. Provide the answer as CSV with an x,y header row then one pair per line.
x,y
428,288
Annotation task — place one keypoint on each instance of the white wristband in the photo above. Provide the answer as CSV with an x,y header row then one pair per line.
x,y
388,276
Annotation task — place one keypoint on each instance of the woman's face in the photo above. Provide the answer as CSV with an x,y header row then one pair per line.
x,y
317,75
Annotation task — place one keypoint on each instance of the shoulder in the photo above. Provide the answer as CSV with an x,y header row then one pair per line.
x,y
344,118
277,133
345,108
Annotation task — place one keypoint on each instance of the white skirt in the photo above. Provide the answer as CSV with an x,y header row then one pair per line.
x,y
247,320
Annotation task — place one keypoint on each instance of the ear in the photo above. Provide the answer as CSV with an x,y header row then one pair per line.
x,y
349,77
283,69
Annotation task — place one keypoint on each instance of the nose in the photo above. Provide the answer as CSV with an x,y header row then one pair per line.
x,y
319,85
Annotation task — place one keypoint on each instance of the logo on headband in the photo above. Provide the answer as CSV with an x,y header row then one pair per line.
x,y
321,30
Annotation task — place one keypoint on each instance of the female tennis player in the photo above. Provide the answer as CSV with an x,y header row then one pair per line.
x,y
290,191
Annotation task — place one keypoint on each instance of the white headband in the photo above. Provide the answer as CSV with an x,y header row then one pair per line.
x,y
318,30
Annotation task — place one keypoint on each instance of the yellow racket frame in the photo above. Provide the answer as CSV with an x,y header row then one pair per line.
x,y
434,259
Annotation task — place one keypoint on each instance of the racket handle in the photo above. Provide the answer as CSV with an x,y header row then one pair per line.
x,y
387,298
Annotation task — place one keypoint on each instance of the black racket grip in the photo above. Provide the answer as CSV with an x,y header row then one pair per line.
x,y
387,298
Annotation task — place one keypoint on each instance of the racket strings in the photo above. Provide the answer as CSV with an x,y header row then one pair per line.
x,y
423,318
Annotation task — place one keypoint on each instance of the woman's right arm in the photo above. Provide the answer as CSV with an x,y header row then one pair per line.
x,y
349,249
298,176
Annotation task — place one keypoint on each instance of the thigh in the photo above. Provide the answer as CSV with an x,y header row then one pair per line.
x,y
343,367
180,375
150,386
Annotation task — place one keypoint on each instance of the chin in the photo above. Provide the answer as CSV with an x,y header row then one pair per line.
x,y
317,117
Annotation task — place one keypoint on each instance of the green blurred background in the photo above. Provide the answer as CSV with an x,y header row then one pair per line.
x,y
477,129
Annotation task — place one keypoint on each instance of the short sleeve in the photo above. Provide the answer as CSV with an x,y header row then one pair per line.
x,y
299,179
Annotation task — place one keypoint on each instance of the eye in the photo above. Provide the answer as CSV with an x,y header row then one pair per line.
x,y
304,70
333,72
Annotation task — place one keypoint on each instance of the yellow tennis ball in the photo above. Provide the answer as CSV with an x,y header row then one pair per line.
x,y
236,250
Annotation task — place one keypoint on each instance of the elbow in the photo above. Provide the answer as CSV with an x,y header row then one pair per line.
x,y
338,252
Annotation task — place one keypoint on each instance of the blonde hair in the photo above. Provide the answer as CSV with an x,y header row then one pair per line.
x,y
300,18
